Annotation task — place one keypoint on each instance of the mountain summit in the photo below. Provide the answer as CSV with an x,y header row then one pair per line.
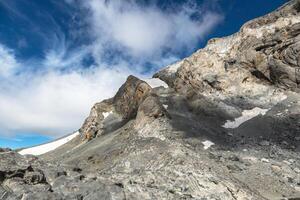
x,y
223,123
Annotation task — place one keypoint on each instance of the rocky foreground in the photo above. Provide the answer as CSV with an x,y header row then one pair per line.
x,y
227,127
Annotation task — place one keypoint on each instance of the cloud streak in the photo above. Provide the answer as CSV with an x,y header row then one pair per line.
x,y
146,33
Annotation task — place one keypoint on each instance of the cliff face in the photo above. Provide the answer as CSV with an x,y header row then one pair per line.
x,y
227,126
264,50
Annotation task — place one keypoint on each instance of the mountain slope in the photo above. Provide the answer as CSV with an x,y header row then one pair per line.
x,y
226,127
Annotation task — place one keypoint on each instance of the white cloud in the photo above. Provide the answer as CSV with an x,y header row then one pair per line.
x,y
60,57
144,32
55,104
8,61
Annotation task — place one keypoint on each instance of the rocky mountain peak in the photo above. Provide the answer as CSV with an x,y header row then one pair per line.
x,y
135,98
265,51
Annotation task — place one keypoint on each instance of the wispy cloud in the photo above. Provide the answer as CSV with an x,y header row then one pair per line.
x,y
8,62
61,56
146,33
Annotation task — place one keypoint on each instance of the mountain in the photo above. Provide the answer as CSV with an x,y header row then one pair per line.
x,y
223,123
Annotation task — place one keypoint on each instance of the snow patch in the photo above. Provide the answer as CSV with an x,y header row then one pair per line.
x,y
156,82
44,148
207,144
246,115
278,114
106,114
165,106
265,160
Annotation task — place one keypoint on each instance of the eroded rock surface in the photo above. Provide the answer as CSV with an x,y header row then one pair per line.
x,y
122,107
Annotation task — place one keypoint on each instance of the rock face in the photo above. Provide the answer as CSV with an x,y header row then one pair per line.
x,y
123,106
130,96
227,127
265,49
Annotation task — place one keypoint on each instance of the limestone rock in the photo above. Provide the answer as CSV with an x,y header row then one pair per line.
x,y
150,109
130,96
124,105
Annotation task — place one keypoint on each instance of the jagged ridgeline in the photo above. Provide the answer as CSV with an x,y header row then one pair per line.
x,y
222,124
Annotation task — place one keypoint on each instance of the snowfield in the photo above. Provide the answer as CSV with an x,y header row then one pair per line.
x,y
246,115
156,82
44,148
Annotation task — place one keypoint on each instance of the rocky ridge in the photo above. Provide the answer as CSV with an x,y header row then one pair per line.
x,y
227,127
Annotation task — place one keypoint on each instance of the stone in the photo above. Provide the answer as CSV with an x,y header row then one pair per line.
x,y
234,158
297,170
61,173
77,169
276,169
34,177
149,110
264,143
234,167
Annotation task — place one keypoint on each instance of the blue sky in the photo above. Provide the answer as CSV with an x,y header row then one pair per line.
x,y
59,57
